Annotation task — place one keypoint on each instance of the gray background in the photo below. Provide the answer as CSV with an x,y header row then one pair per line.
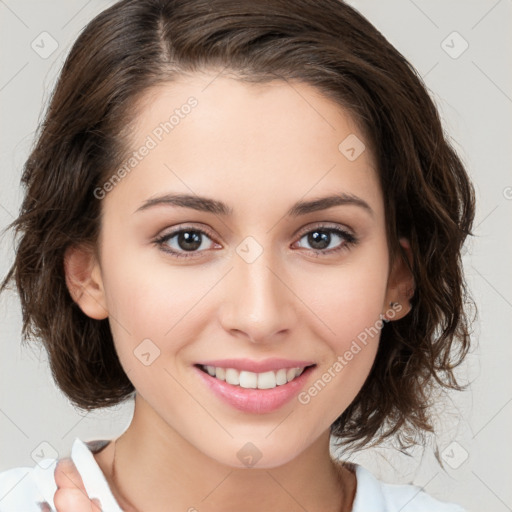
x,y
473,90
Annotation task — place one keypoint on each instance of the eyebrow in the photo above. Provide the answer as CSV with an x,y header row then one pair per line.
x,y
205,204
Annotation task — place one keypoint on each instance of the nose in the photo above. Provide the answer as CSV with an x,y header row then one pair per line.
x,y
258,303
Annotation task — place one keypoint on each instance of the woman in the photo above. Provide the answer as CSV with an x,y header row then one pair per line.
x,y
247,217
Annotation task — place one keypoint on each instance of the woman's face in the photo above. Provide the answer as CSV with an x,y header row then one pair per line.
x,y
253,264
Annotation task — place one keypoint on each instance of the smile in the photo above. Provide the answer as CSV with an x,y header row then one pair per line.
x,y
252,380
254,392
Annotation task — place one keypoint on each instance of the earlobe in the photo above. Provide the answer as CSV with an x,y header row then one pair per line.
x,y
84,281
401,285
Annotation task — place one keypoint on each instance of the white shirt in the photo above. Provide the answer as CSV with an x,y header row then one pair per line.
x,y
25,489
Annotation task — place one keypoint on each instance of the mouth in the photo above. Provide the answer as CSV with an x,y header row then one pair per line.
x,y
252,380
255,392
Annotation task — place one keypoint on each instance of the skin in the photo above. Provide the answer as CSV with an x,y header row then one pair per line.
x,y
259,149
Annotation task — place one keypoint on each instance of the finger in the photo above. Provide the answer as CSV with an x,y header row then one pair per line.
x,y
97,503
71,495
74,500
67,476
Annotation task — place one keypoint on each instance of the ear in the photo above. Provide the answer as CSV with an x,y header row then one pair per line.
x,y
84,281
401,285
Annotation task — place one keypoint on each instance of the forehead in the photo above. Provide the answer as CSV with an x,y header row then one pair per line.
x,y
216,135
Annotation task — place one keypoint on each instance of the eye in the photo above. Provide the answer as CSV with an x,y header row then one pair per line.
x,y
327,240
188,242
184,240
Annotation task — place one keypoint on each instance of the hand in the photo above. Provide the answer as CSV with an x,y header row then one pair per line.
x,y
71,495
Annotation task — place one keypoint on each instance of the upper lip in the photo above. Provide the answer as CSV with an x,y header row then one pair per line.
x,y
248,365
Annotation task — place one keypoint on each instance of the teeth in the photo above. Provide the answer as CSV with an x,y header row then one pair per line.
x,y
266,380
248,380
220,373
281,377
233,377
251,380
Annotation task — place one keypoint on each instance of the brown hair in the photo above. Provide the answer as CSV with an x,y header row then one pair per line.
x,y
136,44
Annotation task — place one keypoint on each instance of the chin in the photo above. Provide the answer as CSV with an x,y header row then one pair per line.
x,y
254,455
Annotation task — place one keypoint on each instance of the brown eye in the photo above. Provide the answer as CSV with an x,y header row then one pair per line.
x,y
183,241
327,240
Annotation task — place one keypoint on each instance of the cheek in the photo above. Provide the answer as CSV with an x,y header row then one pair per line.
x,y
348,303
353,319
148,301
347,300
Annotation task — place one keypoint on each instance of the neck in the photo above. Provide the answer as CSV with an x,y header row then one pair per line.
x,y
151,466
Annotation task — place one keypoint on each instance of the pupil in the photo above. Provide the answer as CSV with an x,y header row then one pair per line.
x,y
322,238
189,240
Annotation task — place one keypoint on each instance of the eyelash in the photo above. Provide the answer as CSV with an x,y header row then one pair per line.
x,y
349,240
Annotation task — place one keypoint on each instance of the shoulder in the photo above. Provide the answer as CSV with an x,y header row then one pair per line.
x,y
411,498
373,495
28,489
31,489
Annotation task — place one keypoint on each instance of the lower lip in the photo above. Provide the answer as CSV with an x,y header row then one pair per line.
x,y
256,401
